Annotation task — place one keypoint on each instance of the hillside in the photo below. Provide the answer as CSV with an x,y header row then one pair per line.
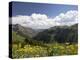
x,y
59,34
49,42
24,31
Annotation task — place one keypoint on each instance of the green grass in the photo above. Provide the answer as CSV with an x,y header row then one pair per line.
x,y
53,49
17,38
39,51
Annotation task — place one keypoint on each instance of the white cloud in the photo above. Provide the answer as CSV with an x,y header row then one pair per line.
x,y
68,18
41,21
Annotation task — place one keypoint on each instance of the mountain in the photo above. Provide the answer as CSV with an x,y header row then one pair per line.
x,y
25,31
59,34
24,35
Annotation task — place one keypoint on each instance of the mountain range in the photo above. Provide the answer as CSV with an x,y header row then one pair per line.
x,y
58,34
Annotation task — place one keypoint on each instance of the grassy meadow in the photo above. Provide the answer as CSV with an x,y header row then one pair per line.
x,y
25,47
39,51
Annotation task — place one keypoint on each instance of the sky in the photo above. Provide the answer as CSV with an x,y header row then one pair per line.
x,y
43,16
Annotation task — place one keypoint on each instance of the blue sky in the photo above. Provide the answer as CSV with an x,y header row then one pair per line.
x,y
43,16
51,10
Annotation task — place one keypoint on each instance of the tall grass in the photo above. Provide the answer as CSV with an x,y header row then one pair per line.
x,y
40,51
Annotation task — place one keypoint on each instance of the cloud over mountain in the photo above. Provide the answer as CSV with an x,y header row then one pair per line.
x,y
68,18
42,21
